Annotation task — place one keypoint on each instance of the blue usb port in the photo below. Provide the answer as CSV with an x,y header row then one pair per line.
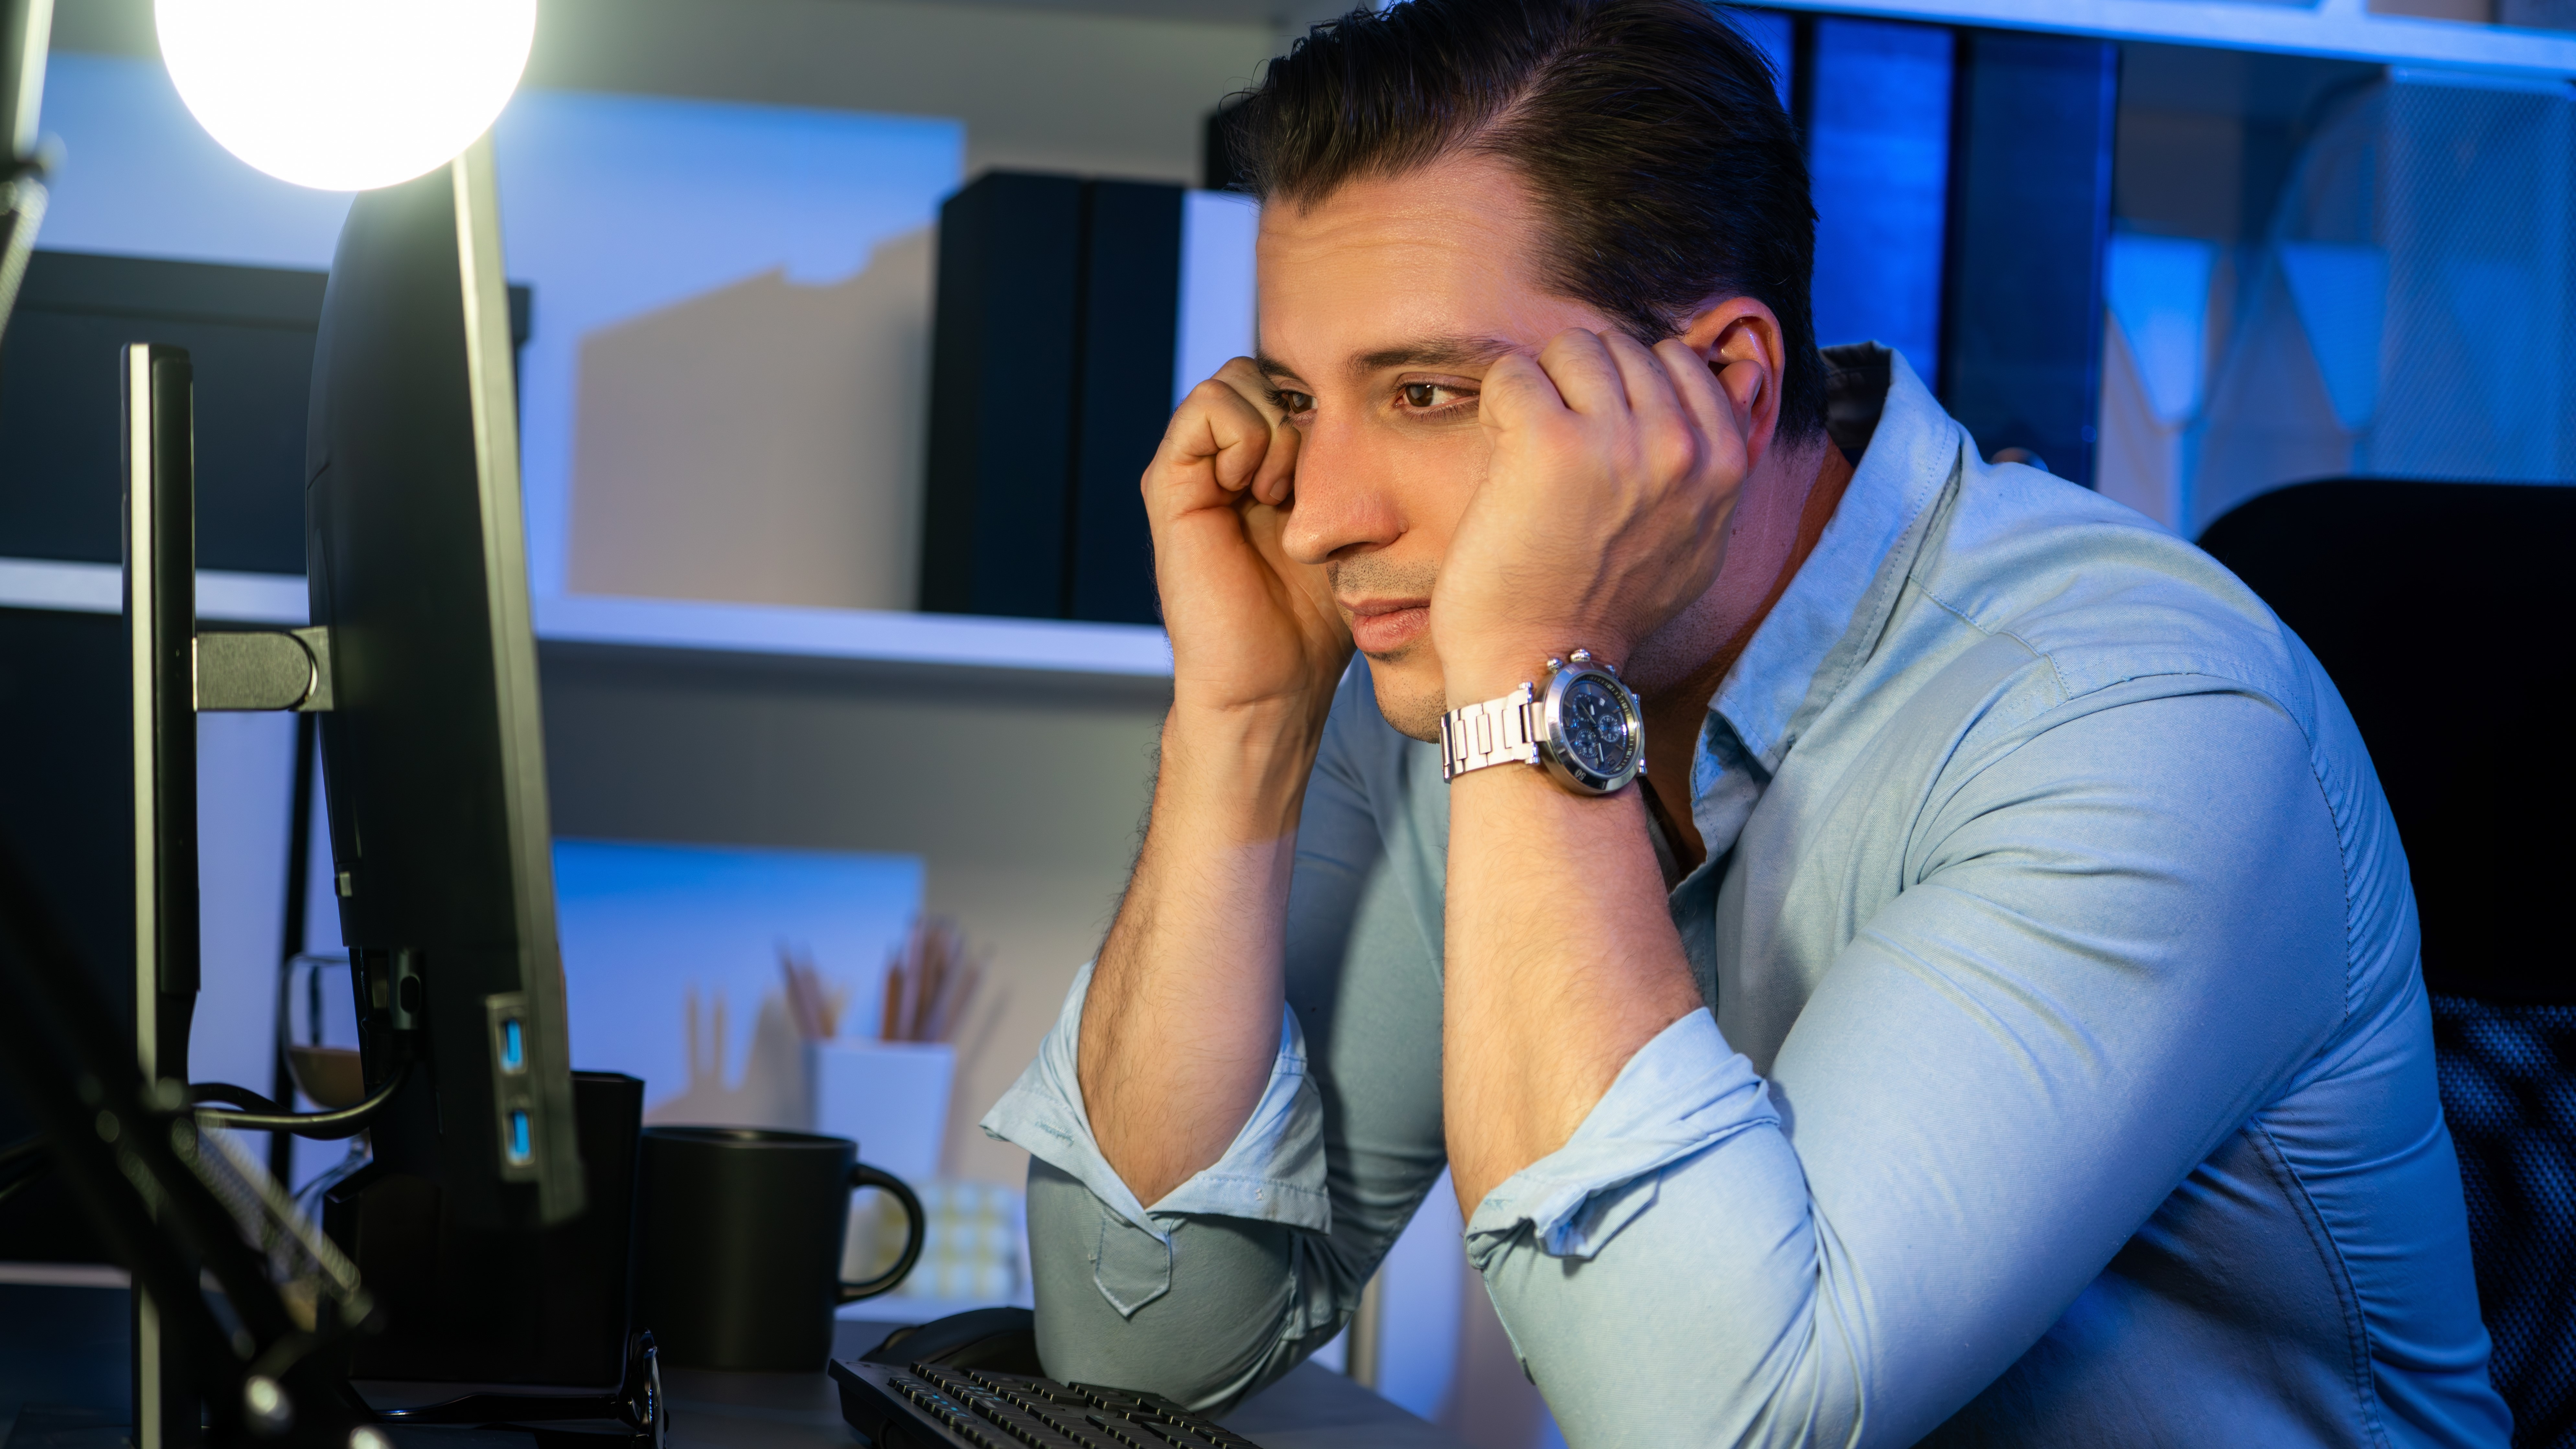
x,y
514,1048
519,1148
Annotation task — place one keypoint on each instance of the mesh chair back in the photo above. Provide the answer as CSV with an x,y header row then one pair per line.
x,y
2442,612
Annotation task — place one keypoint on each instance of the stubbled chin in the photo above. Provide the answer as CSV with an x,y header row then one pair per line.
x,y
1410,693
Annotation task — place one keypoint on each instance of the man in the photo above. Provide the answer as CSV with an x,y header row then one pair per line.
x,y
1991,1017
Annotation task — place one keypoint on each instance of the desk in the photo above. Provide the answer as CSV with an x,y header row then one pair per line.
x,y
64,1344
1309,1409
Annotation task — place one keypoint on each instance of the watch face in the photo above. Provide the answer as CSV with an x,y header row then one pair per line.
x,y
1595,721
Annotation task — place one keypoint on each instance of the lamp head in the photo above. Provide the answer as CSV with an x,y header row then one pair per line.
x,y
346,95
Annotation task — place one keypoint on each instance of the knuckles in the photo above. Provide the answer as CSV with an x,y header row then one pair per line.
x,y
1215,391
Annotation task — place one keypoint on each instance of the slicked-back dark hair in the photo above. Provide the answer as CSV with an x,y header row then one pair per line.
x,y
1649,133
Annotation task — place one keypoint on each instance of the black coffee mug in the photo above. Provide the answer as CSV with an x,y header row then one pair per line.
x,y
743,1229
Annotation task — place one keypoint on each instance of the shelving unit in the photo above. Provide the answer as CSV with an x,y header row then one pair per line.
x,y
937,642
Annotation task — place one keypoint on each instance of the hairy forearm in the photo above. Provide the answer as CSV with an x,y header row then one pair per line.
x,y
1561,962
1182,1022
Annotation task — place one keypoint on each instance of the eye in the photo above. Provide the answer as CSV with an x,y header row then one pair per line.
x,y
1292,403
1426,397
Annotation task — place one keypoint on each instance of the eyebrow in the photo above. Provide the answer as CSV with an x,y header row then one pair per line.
x,y
1433,352
1428,352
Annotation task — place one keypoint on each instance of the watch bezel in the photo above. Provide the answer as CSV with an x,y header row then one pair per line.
x,y
1559,757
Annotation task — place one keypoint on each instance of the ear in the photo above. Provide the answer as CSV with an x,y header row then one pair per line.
x,y
1740,340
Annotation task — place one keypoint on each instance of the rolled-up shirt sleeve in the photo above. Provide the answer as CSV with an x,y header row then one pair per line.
x,y
1684,1091
1273,1170
1240,1272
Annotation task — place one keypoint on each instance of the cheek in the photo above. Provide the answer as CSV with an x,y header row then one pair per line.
x,y
1428,473
1439,472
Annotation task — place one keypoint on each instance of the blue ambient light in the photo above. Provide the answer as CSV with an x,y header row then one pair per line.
x,y
514,1051
519,1149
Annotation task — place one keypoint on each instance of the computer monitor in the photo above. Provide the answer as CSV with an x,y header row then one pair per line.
x,y
25,26
433,755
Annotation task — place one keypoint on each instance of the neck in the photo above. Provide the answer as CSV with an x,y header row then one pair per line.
x,y
1784,510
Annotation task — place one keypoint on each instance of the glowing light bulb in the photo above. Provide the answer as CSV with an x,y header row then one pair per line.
x,y
346,95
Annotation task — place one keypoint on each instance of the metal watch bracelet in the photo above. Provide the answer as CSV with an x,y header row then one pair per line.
x,y
1495,732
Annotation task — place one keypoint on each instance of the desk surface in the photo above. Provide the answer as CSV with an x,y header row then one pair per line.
x,y
1310,1409
66,1346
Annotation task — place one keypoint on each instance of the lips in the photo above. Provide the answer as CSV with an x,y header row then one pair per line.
x,y
1382,626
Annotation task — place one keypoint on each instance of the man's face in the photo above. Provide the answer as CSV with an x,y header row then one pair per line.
x,y
1381,307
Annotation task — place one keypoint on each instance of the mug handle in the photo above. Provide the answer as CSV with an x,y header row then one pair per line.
x,y
915,1229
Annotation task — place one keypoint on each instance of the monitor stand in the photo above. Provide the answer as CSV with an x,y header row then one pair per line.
x,y
176,673
179,673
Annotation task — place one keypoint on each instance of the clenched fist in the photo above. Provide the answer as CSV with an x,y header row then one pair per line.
x,y
1603,512
1251,628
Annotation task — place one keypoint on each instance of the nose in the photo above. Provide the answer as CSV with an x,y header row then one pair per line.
x,y
1345,496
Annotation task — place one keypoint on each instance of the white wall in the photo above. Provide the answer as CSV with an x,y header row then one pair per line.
x,y
1054,88
722,397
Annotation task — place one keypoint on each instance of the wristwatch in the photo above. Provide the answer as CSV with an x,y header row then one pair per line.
x,y
1583,726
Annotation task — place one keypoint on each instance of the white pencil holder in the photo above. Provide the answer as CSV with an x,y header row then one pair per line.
x,y
890,1097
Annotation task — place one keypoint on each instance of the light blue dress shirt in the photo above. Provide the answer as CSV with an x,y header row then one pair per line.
x,y
2067,1076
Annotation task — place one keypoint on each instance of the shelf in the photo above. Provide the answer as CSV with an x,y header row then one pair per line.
x,y
1054,646
2336,29
745,631
95,588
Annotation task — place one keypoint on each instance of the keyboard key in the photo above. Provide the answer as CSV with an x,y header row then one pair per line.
x,y
1119,1432
984,1409
1116,1400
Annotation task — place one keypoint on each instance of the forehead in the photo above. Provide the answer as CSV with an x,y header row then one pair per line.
x,y
1443,251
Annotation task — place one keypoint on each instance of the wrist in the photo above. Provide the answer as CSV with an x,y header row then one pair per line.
x,y
1268,707
1489,669
1578,721
1246,763
1279,726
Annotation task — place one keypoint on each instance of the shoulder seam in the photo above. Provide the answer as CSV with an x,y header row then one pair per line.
x,y
2065,691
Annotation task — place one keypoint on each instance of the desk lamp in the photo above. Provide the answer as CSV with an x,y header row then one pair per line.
x,y
346,95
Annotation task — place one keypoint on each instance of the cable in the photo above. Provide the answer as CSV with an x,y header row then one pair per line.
x,y
267,1116
22,1162
30,1175
23,1147
242,1097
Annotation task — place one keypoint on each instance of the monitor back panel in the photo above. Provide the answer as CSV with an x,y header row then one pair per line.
x,y
432,756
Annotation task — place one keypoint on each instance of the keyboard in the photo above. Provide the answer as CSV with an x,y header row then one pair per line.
x,y
931,1406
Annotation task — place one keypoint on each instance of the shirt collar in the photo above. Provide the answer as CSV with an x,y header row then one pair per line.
x,y
1845,590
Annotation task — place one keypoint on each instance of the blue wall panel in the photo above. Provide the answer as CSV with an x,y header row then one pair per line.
x,y
1876,100
2030,207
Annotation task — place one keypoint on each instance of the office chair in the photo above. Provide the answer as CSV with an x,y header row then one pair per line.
x,y
2442,611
